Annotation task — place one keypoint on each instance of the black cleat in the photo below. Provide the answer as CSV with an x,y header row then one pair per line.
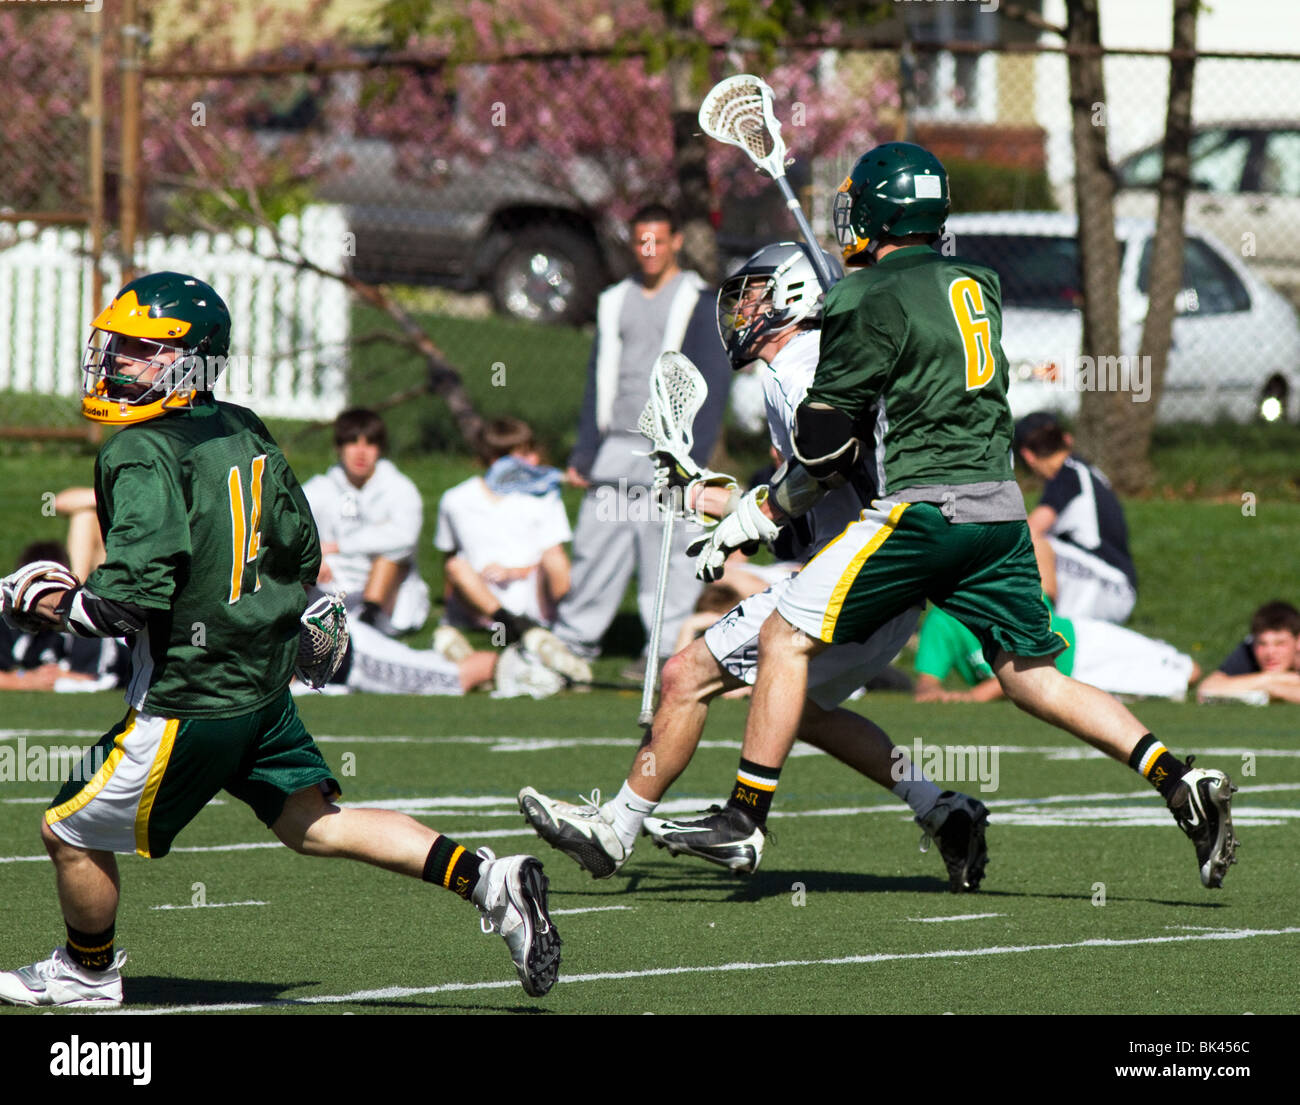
x,y
1202,806
725,835
957,823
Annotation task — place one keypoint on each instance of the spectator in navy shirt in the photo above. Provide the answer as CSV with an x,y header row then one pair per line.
x,y
1080,537
1264,663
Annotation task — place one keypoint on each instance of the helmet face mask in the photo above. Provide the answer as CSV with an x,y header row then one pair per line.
x,y
149,349
772,292
126,369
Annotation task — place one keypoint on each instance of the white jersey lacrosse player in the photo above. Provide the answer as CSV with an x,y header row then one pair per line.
x,y
769,310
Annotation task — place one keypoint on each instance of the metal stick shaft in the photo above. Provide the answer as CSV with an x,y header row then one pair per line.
x,y
652,649
824,276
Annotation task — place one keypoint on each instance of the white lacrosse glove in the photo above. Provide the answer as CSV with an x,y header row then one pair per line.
x,y
743,529
20,591
679,476
322,641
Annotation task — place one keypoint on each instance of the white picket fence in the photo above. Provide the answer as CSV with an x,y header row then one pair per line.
x,y
289,340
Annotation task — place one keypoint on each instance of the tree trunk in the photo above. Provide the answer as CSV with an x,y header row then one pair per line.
x,y
691,168
1102,423
1166,273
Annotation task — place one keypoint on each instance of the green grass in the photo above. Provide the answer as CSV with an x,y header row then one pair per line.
x,y
331,929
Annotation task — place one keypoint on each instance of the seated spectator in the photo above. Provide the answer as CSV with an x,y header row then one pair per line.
x,y
369,516
1263,667
1080,537
1106,656
54,661
85,544
503,535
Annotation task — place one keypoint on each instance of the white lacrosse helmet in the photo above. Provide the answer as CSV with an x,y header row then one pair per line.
x,y
775,290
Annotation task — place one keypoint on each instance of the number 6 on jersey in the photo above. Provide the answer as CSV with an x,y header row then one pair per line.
x,y
967,302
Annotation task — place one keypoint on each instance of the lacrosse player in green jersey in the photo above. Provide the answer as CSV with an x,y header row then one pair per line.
x,y
209,546
912,379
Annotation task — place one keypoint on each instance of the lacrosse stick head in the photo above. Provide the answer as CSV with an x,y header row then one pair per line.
x,y
738,111
677,391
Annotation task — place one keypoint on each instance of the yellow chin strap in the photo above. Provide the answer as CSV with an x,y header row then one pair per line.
x,y
118,412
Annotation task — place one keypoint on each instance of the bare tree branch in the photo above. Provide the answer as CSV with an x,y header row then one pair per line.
x,y
442,378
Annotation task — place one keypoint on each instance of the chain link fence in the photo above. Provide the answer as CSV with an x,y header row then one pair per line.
x,y
492,196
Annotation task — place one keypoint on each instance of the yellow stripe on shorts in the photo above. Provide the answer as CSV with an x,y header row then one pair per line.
x,y
151,786
98,781
845,582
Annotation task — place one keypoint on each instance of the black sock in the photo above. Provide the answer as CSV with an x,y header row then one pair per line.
x,y
1157,765
93,950
450,865
755,785
514,625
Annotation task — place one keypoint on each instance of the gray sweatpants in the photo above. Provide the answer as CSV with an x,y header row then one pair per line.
x,y
616,535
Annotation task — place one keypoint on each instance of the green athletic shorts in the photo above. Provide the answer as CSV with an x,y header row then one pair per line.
x,y
148,776
900,554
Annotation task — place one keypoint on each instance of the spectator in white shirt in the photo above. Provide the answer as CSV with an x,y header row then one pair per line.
x,y
369,516
504,534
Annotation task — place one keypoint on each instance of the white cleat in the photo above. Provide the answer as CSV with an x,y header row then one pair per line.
x,y
519,674
581,832
556,655
451,644
62,982
511,895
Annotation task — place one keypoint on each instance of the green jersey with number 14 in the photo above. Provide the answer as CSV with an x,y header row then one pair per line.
x,y
912,350
206,528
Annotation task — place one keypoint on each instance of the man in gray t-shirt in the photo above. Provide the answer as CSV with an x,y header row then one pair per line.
x,y
660,307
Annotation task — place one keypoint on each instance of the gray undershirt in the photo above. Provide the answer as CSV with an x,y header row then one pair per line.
x,y
991,501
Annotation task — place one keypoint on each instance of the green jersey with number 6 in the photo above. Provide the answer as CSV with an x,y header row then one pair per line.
x,y
912,351
206,528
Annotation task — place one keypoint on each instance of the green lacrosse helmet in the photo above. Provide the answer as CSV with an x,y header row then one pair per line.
x,y
155,348
896,189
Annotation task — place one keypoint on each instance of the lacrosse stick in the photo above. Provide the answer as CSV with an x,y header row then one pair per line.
x,y
738,111
677,391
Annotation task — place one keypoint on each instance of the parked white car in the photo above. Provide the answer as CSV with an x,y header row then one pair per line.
x,y
1236,341
1245,190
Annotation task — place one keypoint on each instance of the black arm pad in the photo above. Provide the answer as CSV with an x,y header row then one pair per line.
x,y
824,443
87,615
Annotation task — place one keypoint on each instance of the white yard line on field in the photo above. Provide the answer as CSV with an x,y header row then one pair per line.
x,y
209,905
592,909
397,992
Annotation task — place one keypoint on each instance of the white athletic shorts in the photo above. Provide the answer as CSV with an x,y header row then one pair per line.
x,y
833,674
111,813
1088,587
1120,661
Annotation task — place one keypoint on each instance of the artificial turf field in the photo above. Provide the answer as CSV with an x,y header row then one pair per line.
x,y
1091,904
